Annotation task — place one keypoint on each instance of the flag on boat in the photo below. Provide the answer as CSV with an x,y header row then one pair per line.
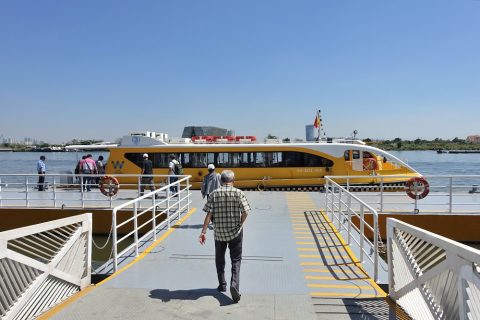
x,y
316,123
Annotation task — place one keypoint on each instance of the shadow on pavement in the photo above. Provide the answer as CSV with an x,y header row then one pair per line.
x,y
193,294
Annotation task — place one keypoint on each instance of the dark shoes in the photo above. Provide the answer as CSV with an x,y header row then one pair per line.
x,y
235,294
221,288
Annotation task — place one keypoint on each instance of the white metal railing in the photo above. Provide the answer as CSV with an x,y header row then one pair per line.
x,y
142,222
430,276
339,207
66,190
448,193
42,265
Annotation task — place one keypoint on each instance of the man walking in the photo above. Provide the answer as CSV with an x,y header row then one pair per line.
x,y
172,165
229,208
147,169
41,169
211,181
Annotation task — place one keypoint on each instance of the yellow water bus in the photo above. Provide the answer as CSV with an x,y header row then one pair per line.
x,y
261,165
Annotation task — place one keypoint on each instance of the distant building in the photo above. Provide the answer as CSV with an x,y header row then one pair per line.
x,y
474,139
192,131
310,132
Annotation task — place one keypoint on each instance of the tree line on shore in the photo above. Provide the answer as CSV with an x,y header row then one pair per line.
x,y
398,144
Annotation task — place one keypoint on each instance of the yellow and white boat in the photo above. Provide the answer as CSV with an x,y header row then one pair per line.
x,y
259,165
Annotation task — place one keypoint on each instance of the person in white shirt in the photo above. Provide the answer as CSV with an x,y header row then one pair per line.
x,y
172,175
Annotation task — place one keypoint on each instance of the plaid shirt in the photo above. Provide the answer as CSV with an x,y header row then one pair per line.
x,y
226,205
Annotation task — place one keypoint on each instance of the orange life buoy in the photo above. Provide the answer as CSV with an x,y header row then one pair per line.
x,y
370,164
108,186
417,188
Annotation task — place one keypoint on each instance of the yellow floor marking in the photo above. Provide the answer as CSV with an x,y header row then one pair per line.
x,y
304,237
305,243
347,295
320,278
339,278
308,249
302,232
318,256
80,294
50,313
338,286
329,271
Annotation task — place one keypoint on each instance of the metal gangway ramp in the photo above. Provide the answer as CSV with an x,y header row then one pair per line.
x,y
295,266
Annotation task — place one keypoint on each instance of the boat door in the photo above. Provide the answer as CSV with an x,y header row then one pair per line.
x,y
354,160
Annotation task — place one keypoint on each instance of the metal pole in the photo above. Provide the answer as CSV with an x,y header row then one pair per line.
x,y
375,245
339,210
168,206
26,191
450,196
178,199
54,194
114,239
390,235
362,230
135,226
81,191
381,194
154,222
188,194
349,210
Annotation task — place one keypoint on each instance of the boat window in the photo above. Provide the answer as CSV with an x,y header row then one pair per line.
x,y
246,159
236,159
367,155
259,159
277,159
222,160
346,155
355,154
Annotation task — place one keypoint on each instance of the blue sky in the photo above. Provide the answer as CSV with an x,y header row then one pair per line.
x,y
101,69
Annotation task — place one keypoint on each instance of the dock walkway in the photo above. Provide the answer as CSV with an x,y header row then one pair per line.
x,y
295,266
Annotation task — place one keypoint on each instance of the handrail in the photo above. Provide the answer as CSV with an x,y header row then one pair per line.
x,y
44,264
170,207
18,190
430,276
453,192
335,208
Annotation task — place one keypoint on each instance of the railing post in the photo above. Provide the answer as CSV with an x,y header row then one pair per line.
x,y
381,194
339,210
114,239
81,191
390,235
450,196
178,199
168,206
349,225
26,191
139,186
375,245
135,226
154,222
54,193
188,194
362,230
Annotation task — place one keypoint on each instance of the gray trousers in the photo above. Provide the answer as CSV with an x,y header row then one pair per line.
x,y
235,247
